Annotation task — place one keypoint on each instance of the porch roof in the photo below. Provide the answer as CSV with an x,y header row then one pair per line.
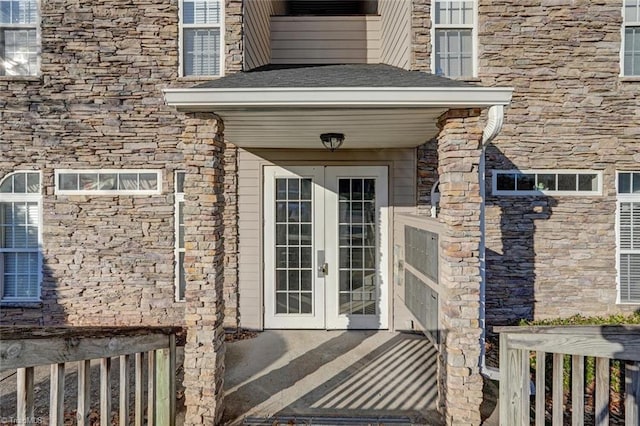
x,y
374,105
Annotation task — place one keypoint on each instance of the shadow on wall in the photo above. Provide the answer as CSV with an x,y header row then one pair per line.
x,y
46,312
510,228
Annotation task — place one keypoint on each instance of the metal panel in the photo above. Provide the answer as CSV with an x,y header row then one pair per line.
x,y
421,249
422,301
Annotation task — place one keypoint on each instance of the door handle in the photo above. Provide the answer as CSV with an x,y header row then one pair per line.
x,y
323,270
323,267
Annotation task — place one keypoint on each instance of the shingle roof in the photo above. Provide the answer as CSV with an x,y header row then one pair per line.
x,y
356,75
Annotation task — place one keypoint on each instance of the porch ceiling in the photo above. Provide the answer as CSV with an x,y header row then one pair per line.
x,y
301,128
375,106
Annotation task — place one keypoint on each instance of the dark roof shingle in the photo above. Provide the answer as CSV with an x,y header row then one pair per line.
x,y
355,75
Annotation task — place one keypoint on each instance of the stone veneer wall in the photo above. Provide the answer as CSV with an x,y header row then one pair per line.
x,y
203,146
570,110
427,174
421,35
108,260
231,293
460,383
552,256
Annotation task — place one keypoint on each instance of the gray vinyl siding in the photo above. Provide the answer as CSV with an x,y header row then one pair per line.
x,y
396,32
325,39
257,36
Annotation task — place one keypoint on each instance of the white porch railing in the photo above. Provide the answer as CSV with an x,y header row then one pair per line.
x,y
154,350
605,343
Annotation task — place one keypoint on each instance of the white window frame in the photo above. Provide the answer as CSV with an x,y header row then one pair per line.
x,y
182,26
620,199
178,198
623,28
474,39
495,191
37,26
23,197
156,191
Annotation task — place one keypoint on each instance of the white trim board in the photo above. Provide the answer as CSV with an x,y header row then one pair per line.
x,y
201,99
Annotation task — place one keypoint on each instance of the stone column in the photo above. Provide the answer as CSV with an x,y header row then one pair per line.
x,y
459,150
203,147
231,295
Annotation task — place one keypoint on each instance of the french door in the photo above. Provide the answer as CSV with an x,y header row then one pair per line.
x,y
325,247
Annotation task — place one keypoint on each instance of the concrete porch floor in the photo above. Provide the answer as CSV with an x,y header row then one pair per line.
x,y
346,374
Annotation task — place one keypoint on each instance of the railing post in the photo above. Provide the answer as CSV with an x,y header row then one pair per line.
x,y
105,392
632,391
172,379
139,392
56,395
124,390
84,392
557,394
25,395
514,384
541,358
164,379
577,390
151,387
602,392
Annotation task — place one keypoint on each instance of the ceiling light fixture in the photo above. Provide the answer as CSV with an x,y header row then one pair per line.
x,y
332,141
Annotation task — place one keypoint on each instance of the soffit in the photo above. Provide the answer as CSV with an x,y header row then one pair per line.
x,y
375,106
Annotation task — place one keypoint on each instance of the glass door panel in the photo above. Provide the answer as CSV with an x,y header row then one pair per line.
x,y
294,295
356,244
293,246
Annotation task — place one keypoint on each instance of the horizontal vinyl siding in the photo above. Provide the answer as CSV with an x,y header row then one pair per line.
x,y
402,180
325,39
257,30
395,32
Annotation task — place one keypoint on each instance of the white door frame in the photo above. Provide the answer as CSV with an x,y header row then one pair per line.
x,y
325,234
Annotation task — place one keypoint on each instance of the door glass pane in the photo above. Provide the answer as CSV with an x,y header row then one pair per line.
x,y
293,248
357,252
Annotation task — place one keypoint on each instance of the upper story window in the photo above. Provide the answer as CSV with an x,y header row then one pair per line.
x,y
19,45
631,38
20,237
108,182
454,38
202,37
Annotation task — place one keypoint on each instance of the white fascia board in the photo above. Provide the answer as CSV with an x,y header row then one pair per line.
x,y
198,99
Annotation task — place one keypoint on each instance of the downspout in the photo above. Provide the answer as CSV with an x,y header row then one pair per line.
x,y
491,130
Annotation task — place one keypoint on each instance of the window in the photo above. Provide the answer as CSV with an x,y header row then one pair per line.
x,y
19,45
202,37
179,232
108,182
552,182
631,38
20,237
628,230
454,38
